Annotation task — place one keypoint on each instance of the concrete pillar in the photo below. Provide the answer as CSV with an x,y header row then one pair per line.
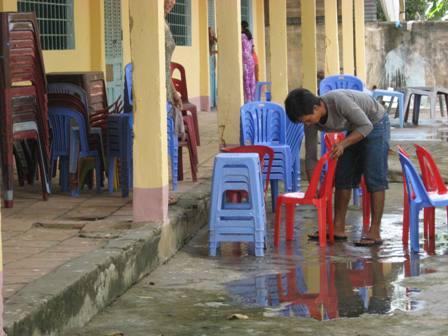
x,y
150,197
230,71
360,41
309,57
260,38
204,55
402,10
332,66
279,49
348,62
8,5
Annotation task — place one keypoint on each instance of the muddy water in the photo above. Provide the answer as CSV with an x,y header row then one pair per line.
x,y
299,288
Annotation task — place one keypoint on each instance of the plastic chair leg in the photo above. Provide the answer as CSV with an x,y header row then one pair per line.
x,y
429,222
290,211
111,173
322,221
98,174
413,223
405,235
277,221
274,192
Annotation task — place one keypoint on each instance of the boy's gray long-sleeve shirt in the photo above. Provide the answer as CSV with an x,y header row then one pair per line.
x,y
347,110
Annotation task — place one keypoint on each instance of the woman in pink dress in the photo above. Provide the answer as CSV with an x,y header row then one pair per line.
x,y
248,63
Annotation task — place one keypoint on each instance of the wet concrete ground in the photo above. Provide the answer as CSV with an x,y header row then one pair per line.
x,y
299,289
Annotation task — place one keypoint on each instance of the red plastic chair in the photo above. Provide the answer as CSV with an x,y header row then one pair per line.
x,y
319,196
433,181
332,139
180,83
262,152
190,142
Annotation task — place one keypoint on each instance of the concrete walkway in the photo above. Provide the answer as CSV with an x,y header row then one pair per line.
x,y
65,259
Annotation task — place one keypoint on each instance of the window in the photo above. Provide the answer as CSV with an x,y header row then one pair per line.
x,y
246,12
211,14
55,19
180,22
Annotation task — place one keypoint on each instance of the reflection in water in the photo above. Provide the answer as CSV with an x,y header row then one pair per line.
x,y
329,289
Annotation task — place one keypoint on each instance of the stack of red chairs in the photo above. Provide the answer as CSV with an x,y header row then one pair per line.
x,y
190,117
23,96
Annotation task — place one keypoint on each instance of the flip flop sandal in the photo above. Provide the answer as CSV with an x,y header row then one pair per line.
x,y
368,242
315,236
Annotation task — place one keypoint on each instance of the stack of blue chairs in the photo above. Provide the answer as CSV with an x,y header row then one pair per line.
x,y
173,142
237,222
119,146
264,123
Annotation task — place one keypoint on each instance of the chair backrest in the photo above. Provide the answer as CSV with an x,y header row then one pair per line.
x,y
430,172
180,82
61,120
128,88
259,90
263,123
340,82
70,89
262,152
295,133
414,183
333,138
318,188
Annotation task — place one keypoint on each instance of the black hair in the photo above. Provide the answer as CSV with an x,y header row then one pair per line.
x,y
245,29
299,103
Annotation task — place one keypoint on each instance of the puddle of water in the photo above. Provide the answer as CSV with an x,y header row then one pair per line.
x,y
331,289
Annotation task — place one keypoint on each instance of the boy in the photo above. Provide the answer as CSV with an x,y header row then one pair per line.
x,y
363,151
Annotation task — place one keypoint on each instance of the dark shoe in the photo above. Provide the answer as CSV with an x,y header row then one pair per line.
x,y
367,242
315,236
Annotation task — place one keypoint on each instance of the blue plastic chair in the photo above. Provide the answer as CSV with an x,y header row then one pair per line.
x,y
336,82
264,123
389,93
64,123
259,90
418,199
237,222
173,142
295,133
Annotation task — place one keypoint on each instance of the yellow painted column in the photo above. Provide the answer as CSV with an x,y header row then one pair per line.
x,y
348,61
150,196
260,38
97,36
279,49
309,45
126,32
230,70
204,55
332,66
8,5
360,40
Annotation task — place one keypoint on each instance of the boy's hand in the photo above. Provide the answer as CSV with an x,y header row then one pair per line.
x,y
337,151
